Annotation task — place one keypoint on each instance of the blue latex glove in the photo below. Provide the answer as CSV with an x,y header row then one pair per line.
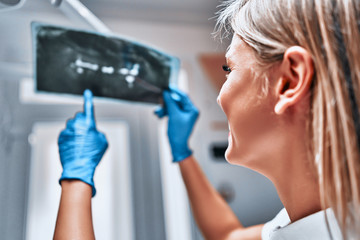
x,y
81,146
182,117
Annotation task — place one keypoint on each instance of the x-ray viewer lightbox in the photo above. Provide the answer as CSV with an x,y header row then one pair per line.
x,y
70,61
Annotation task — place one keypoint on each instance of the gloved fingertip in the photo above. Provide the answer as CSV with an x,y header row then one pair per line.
x,y
176,97
170,102
171,95
88,93
179,96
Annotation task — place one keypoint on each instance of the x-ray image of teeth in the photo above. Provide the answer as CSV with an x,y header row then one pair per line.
x,y
70,61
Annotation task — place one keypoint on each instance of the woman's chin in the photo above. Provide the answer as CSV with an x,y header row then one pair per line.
x,y
237,158
233,155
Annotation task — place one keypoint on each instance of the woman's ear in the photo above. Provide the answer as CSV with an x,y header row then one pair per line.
x,y
296,76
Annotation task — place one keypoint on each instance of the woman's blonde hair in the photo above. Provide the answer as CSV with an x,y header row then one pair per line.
x,y
329,30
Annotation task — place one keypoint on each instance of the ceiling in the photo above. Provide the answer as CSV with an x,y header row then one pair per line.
x,y
171,11
183,11
183,4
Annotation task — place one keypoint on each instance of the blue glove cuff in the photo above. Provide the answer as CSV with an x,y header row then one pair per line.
x,y
182,156
76,175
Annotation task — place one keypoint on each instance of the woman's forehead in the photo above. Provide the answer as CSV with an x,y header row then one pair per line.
x,y
236,48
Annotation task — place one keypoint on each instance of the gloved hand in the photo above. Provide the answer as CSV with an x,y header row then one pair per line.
x,y
81,146
182,117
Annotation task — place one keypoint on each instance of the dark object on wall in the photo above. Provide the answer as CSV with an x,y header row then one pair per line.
x,y
218,151
70,61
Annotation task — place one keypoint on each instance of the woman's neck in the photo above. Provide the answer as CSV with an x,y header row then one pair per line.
x,y
297,184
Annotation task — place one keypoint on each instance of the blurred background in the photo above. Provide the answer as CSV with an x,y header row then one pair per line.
x,y
140,193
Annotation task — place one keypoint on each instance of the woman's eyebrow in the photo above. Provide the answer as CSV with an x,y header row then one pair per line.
x,y
227,53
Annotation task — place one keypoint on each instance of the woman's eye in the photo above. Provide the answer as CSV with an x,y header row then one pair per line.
x,y
226,68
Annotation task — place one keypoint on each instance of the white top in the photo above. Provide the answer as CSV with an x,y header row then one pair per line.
x,y
312,227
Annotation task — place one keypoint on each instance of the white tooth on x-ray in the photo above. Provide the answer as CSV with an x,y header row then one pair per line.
x,y
135,70
124,71
108,70
130,80
80,70
80,64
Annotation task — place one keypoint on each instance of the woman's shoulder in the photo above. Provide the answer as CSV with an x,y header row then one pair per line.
x,y
311,227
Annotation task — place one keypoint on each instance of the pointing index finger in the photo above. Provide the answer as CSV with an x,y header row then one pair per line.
x,y
88,105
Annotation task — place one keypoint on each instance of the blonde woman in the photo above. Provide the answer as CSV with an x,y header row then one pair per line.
x,y
291,99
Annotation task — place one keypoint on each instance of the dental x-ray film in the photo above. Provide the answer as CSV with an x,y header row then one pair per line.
x,y
70,61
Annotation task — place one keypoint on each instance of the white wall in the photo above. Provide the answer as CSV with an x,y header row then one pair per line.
x,y
112,206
